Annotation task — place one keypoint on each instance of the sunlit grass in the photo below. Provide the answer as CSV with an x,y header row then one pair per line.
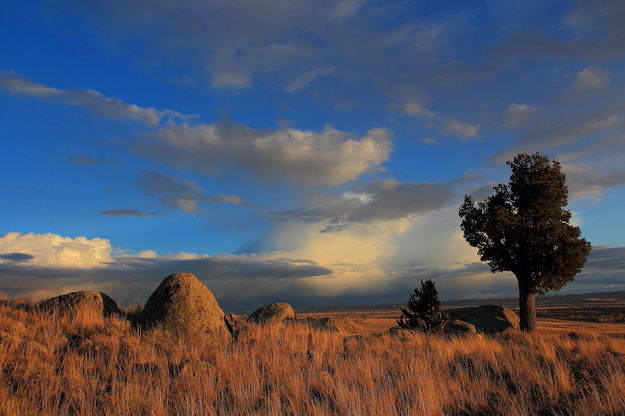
x,y
87,365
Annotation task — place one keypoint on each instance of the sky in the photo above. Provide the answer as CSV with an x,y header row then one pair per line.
x,y
307,151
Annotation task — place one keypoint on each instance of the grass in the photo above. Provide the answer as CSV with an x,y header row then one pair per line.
x,y
87,365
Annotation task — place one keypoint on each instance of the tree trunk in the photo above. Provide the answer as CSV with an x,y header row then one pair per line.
x,y
527,306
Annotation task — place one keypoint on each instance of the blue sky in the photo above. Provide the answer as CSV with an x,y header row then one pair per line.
x,y
311,151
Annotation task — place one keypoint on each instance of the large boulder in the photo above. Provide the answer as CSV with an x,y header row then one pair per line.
x,y
85,300
274,313
458,327
185,306
490,319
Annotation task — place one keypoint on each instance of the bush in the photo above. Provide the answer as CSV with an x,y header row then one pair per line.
x,y
423,310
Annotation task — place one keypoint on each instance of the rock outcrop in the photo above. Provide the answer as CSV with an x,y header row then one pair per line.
x,y
273,313
185,306
458,327
490,319
85,300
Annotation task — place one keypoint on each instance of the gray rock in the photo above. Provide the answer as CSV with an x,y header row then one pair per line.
x,y
185,306
490,319
401,333
458,327
273,313
70,303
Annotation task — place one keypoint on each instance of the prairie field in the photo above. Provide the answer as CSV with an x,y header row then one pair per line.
x,y
89,365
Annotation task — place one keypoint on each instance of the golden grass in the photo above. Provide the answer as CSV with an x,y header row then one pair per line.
x,y
86,365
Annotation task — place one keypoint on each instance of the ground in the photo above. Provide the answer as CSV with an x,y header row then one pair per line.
x,y
89,365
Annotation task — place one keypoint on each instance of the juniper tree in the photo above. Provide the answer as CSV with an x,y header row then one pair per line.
x,y
423,310
524,228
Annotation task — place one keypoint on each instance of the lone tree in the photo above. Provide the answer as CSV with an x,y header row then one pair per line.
x,y
524,228
423,310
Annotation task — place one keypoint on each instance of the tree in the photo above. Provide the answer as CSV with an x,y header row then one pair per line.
x,y
524,228
423,310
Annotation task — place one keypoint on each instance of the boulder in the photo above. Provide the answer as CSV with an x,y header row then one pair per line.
x,y
274,313
490,319
185,306
70,303
458,327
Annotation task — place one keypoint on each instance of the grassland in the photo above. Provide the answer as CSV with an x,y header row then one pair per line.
x,y
87,365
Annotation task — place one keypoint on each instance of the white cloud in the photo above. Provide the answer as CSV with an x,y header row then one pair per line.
x,y
429,141
329,157
457,128
355,255
89,99
53,250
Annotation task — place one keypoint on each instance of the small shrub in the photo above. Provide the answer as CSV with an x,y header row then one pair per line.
x,y
423,310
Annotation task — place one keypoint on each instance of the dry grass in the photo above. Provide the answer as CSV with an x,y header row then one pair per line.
x,y
53,365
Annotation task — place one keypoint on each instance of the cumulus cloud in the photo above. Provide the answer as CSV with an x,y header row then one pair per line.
x,y
129,212
330,157
89,99
57,251
49,264
458,128
182,195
